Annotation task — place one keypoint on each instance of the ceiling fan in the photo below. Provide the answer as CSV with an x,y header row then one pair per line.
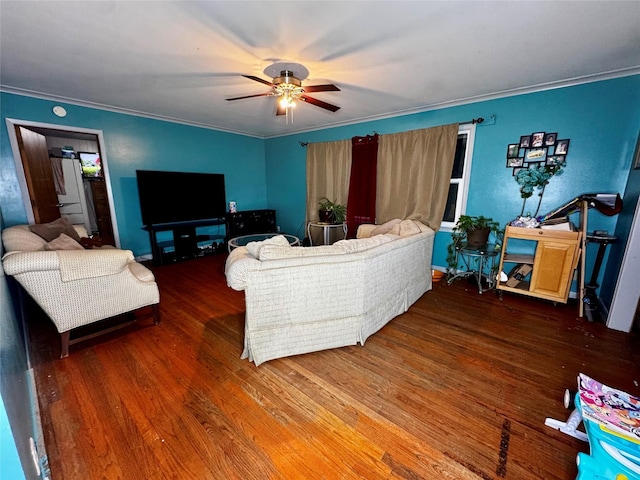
x,y
287,84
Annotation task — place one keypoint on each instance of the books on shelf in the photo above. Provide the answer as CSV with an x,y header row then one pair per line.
x,y
561,223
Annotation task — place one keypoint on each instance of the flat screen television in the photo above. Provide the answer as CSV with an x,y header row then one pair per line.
x,y
176,197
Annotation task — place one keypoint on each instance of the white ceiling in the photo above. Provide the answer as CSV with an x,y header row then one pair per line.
x,y
181,60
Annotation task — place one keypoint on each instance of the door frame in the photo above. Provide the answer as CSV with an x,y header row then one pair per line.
x,y
12,123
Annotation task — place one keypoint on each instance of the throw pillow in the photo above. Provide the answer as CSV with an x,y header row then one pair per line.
x,y
385,227
254,247
52,230
20,238
408,228
362,244
63,242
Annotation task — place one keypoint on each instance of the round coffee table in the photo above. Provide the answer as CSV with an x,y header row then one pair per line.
x,y
259,237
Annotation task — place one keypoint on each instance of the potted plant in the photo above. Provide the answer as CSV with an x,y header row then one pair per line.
x,y
536,177
330,212
475,231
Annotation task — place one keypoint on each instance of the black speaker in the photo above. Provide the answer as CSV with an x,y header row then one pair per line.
x,y
250,222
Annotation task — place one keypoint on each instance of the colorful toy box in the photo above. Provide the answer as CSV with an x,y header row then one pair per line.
x,y
611,419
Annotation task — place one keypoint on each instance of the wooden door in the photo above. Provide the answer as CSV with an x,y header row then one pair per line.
x,y
103,215
38,175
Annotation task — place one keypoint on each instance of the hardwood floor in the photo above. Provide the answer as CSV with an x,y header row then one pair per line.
x,y
457,388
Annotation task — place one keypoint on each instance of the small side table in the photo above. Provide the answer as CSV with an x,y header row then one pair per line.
x,y
259,237
476,261
326,230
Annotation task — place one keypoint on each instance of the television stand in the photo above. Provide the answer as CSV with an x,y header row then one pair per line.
x,y
185,242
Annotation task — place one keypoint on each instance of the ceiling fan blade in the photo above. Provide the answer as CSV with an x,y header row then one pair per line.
x,y
251,96
258,79
321,88
319,103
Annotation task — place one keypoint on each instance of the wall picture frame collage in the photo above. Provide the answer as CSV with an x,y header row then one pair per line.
x,y
535,149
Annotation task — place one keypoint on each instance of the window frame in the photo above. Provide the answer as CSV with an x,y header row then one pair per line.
x,y
463,182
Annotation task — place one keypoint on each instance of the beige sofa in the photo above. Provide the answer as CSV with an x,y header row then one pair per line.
x,y
300,300
74,286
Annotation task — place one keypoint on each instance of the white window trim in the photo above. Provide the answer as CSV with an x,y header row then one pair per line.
x,y
463,183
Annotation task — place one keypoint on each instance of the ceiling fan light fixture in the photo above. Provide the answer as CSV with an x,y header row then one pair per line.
x,y
287,101
287,86
287,79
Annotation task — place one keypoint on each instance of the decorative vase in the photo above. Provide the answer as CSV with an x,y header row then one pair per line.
x,y
478,237
326,216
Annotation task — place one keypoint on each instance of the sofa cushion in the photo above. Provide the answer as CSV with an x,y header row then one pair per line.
x,y
385,227
20,239
52,230
254,247
361,244
63,242
277,252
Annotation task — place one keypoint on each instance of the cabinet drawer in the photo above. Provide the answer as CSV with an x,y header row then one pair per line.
x,y
541,234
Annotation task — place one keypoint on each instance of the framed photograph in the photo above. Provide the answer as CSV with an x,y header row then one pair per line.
x,y
91,165
515,162
550,139
537,139
516,170
562,147
512,150
555,159
536,155
525,141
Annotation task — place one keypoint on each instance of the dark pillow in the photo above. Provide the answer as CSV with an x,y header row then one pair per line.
x,y
63,242
52,230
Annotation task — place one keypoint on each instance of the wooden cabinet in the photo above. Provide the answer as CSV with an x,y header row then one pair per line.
x,y
548,256
103,214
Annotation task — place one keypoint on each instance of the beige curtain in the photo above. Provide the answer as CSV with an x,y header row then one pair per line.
x,y
328,171
414,170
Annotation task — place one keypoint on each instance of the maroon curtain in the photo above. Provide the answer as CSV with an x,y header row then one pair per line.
x,y
361,203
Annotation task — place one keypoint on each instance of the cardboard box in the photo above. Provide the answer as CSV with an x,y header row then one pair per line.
x,y
518,274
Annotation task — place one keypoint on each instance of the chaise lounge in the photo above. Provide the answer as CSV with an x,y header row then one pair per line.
x,y
74,286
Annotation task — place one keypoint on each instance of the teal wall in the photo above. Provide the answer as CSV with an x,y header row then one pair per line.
x,y
622,232
16,397
17,400
601,119
133,143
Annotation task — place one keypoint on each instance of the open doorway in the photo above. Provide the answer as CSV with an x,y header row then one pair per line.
x,y
55,183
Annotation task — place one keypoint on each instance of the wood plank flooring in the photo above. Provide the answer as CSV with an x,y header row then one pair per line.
x,y
456,388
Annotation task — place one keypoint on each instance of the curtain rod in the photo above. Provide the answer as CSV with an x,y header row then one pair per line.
x,y
473,121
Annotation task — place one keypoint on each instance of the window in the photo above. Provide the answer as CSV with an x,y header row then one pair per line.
x,y
459,183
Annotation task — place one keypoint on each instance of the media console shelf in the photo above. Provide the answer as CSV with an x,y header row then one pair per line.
x,y
550,268
184,245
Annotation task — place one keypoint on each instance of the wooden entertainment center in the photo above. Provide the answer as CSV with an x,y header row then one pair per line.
x,y
190,239
184,245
